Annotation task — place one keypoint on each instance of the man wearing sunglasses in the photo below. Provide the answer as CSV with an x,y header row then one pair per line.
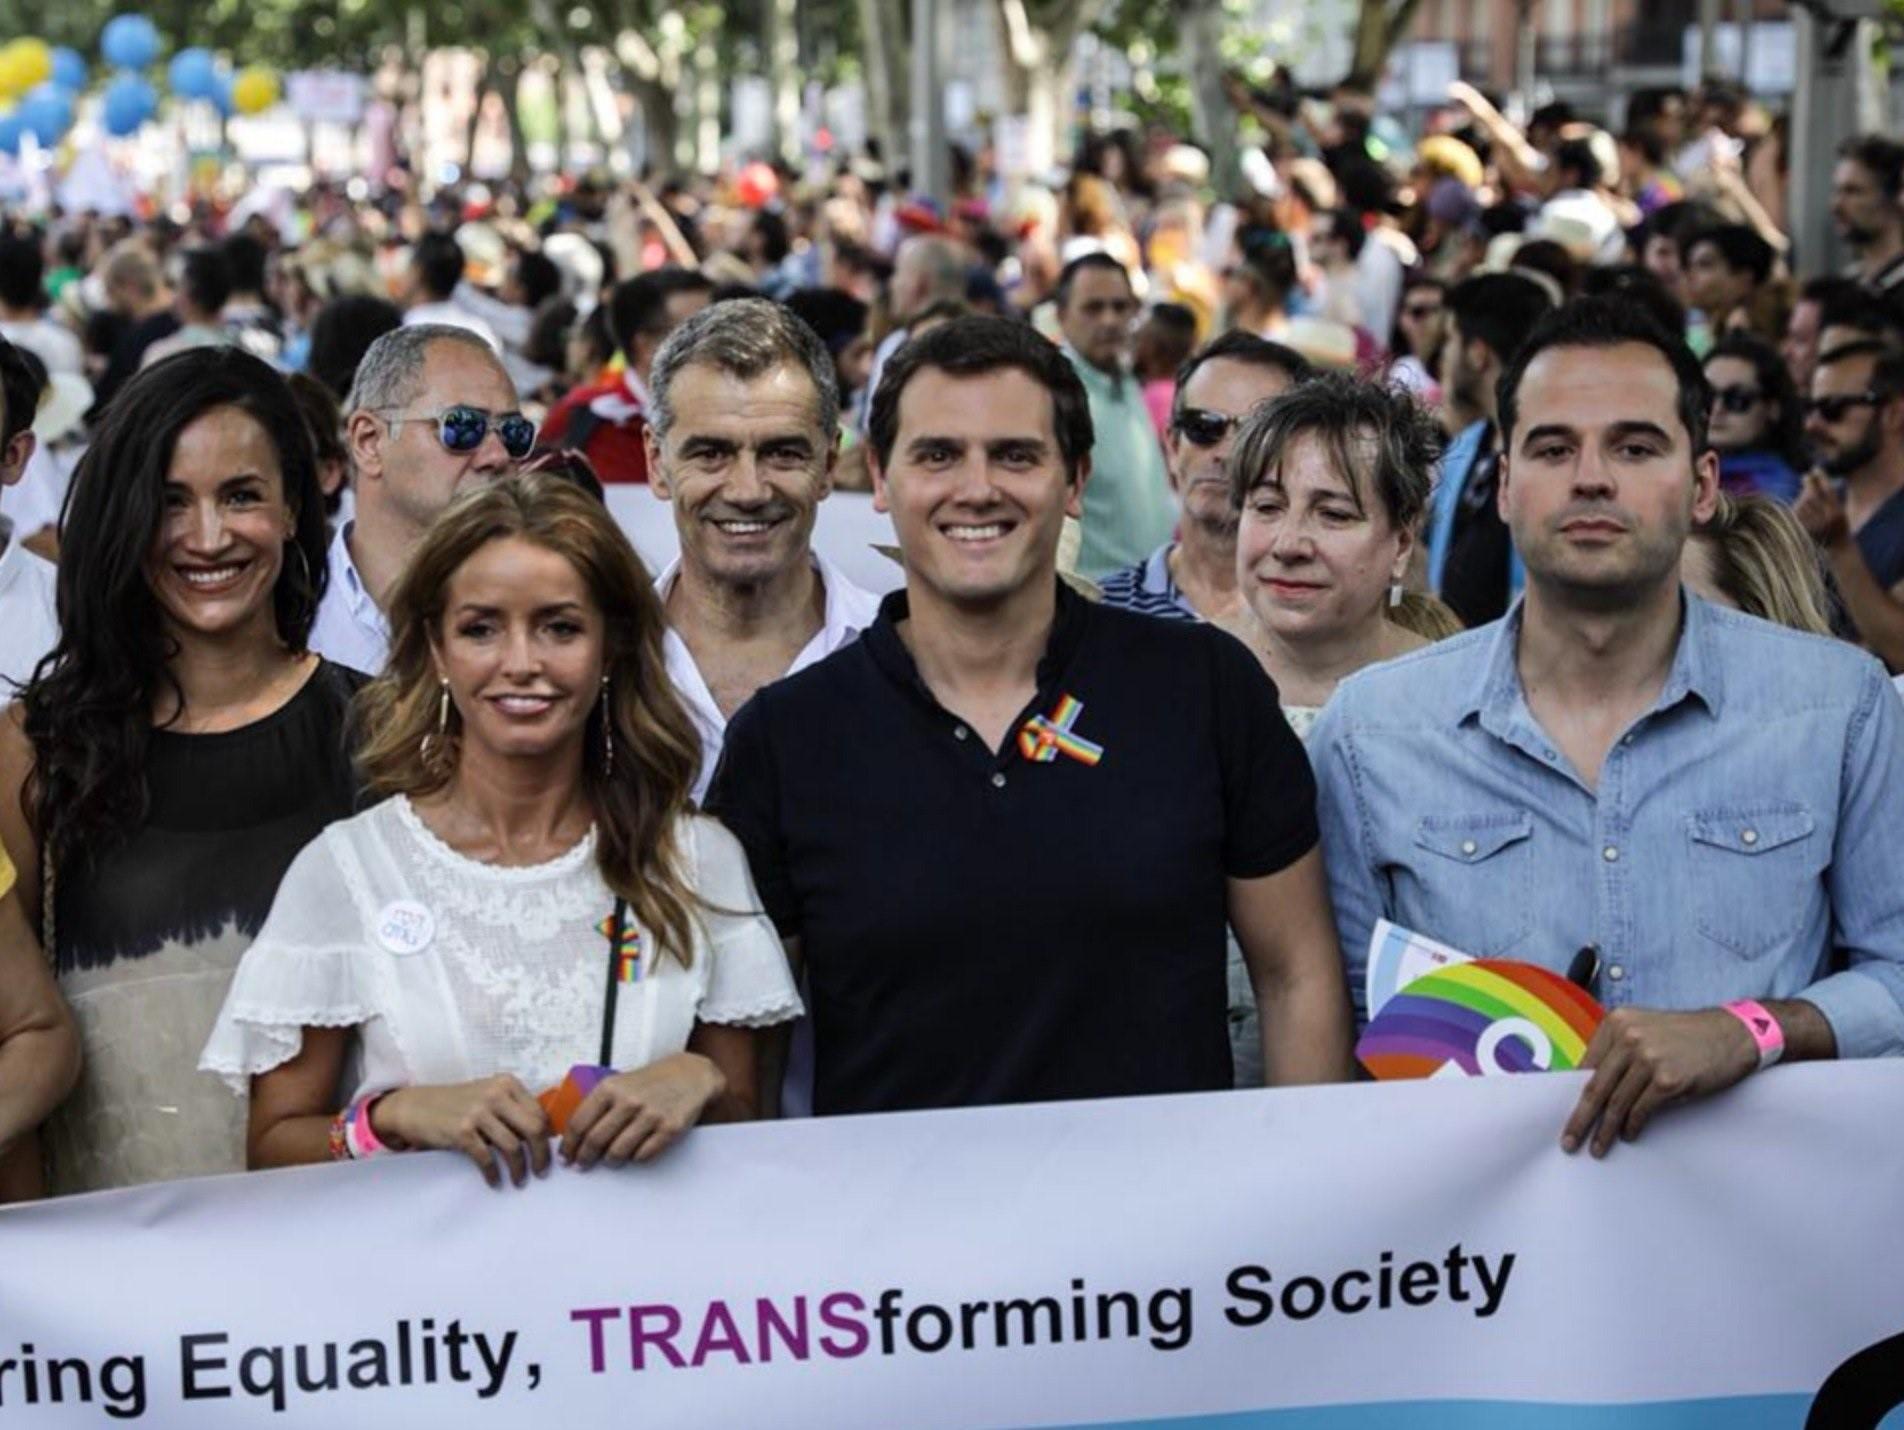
x,y
1854,505
1193,578
432,412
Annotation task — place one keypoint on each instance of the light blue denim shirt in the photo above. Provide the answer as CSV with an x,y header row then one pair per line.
x,y
1746,839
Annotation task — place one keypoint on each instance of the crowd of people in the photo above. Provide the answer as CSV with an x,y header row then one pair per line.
x,y
1500,534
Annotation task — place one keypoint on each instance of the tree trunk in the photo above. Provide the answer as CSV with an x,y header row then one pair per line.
x,y
781,42
510,92
484,83
883,41
659,127
1380,25
1037,43
1210,107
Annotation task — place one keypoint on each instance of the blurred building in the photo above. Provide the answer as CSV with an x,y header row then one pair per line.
x,y
1591,50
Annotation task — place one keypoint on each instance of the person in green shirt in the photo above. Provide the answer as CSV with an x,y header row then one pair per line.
x,y
1128,511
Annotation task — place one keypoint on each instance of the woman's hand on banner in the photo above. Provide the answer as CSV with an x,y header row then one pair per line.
x,y
634,1116
491,1118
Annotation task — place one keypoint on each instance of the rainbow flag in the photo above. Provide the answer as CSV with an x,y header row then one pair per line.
x,y
1045,737
628,956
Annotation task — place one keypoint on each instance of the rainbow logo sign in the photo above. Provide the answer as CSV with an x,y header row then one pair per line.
x,y
1478,1019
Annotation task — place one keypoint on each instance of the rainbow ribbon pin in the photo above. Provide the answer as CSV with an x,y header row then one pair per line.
x,y
1045,737
628,956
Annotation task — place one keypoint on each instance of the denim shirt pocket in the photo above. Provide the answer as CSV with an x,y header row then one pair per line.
x,y
1752,877
1474,885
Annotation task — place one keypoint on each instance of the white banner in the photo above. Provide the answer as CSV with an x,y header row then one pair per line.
x,y
1408,1255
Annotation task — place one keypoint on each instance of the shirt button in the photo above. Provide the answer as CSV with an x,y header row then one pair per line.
x,y
998,780
1626,739
1610,854
1749,838
959,732
1468,847
1616,973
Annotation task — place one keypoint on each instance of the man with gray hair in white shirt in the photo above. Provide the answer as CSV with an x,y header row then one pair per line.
x,y
742,440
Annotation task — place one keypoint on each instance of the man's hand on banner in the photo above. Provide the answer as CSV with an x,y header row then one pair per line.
x,y
490,1118
1643,1061
636,1115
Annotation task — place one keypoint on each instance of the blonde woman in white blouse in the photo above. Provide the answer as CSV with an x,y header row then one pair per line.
x,y
536,893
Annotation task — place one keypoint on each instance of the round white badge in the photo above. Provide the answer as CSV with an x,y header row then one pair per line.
x,y
405,926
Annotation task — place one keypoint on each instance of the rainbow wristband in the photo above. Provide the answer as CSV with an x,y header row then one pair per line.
x,y
1763,1027
360,1141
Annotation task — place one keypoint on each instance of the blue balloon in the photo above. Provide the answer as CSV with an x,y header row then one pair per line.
x,y
193,74
47,113
129,42
221,93
69,69
130,101
10,131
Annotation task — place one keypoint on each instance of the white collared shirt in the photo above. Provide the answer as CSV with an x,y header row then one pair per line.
x,y
350,629
29,614
849,610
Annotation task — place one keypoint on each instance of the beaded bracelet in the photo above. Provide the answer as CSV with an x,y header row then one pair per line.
x,y
340,1143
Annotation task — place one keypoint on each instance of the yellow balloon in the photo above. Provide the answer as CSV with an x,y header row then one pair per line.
x,y
23,64
254,90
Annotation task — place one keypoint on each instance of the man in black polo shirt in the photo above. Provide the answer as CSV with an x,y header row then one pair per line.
x,y
1004,831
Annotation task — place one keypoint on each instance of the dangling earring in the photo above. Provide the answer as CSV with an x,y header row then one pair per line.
x,y
1394,594
434,745
608,731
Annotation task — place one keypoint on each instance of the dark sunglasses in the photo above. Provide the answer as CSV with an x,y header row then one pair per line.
x,y
462,429
1422,310
1833,408
1205,428
1736,398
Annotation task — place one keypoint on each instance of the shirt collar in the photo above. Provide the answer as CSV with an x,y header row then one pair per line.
x,y
1157,580
890,654
344,578
848,611
1094,376
1500,704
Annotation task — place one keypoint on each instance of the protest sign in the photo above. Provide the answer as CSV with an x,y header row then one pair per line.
x,y
1411,1254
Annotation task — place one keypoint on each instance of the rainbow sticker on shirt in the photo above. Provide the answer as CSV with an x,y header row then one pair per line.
x,y
1045,737
628,955
1480,1018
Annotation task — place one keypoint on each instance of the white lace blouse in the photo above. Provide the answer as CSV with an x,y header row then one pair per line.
x,y
451,969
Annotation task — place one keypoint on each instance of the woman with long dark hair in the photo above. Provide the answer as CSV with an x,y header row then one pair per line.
x,y
1758,422
176,749
535,896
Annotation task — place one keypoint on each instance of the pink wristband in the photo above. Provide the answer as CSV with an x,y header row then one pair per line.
x,y
1763,1027
359,1139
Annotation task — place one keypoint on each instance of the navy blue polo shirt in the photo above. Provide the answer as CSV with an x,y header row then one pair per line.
x,y
1042,921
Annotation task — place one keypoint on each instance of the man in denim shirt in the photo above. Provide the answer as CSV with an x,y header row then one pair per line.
x,y
1712,805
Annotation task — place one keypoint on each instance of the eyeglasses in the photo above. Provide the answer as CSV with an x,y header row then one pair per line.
x,y
1203,427
462,429
1834,407
1737,398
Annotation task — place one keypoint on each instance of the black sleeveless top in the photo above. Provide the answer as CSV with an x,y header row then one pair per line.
x,y
228,813
147,936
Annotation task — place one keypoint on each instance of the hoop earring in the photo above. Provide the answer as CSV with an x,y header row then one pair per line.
x,y
608,731
436,744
